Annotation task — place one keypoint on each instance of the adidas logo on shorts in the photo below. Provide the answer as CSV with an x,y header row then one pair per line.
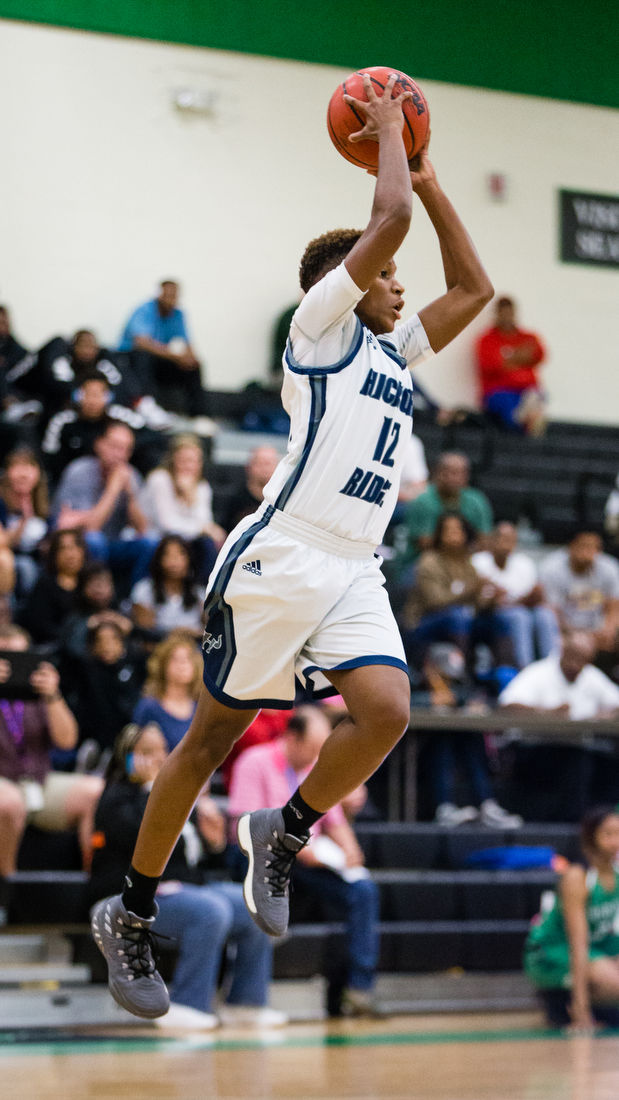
x,y
253,567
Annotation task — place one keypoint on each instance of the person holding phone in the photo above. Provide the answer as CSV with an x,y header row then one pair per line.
x,y
30,726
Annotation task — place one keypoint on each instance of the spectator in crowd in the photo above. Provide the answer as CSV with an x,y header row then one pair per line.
x,y
172,686
197,907
95,603
170,597
258,471
24,511
30,792
162,357
450,602
566,685
60,367
11,354
100,493
447,687
611,518
268,725
330,873
582,585
572,950
71,433
533,624
53,597
448,492
507,361
104,686
178,500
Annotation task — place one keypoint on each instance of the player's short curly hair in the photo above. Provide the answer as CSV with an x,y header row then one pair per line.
x,y
324,253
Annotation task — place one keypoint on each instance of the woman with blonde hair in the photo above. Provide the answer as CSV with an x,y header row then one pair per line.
x,y
178,500
174,677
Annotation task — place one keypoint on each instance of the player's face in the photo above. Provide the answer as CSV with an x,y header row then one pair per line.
x,y
382,306
607,836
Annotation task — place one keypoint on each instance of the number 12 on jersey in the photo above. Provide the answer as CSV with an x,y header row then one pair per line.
x,y
387,442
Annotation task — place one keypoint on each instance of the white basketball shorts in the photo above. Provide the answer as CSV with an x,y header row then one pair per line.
x,y
287,599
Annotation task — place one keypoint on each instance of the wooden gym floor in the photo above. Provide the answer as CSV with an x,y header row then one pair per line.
x,y
472,1057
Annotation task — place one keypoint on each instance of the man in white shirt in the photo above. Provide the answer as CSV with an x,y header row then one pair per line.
x,y
568,685
533,624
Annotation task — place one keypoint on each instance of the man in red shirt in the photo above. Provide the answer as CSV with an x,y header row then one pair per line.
x,y
507,359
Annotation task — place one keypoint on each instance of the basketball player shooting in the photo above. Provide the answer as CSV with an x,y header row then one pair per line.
x,y
297,588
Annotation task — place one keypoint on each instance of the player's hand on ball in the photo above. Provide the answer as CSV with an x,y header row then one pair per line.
x,y
422,169
378,111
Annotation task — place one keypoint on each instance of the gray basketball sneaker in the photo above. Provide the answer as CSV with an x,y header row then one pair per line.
x,y
125,941
271,852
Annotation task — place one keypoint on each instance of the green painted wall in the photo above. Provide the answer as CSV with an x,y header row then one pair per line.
x,y
564,50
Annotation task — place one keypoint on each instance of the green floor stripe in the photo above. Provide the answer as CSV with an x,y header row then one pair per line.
x,y
10,1046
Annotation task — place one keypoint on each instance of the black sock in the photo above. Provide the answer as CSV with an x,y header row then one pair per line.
x,y
298,816
139,893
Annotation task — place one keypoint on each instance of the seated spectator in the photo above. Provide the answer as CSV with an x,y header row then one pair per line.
x,y
260,467
104,686
582,585
72,432
162,357
450,602
170,597
197,908
567,685
507,361
268,725
573,944
24,511
533,625
449,492
329,873
61,365
447,687
12,354
30,792
178,500
95,603
611,517
172,686
100,493
52,599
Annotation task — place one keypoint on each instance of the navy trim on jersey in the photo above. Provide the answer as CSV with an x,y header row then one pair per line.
x,y
297,368
244,704
219,614
318,387
389,350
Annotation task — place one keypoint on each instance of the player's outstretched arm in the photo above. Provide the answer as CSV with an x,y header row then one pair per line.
x,y
468,285
392,206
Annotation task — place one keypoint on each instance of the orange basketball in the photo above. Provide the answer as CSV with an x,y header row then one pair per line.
x,y
343,119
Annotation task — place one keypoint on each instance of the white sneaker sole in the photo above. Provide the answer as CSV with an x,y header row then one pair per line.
x,y
243,833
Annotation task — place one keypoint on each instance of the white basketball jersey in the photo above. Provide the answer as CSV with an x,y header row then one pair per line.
x,y
349,395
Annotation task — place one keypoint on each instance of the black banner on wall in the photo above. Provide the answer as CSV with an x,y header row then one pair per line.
x,y
589,228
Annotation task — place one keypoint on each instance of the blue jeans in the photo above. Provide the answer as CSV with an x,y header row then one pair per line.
x,y
202,919
443,754
122,553
534,632
357,903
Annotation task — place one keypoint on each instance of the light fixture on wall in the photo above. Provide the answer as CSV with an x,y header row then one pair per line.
x,y
194,101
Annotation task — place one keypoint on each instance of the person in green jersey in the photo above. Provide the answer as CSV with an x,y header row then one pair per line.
x,y
573,944
449,492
